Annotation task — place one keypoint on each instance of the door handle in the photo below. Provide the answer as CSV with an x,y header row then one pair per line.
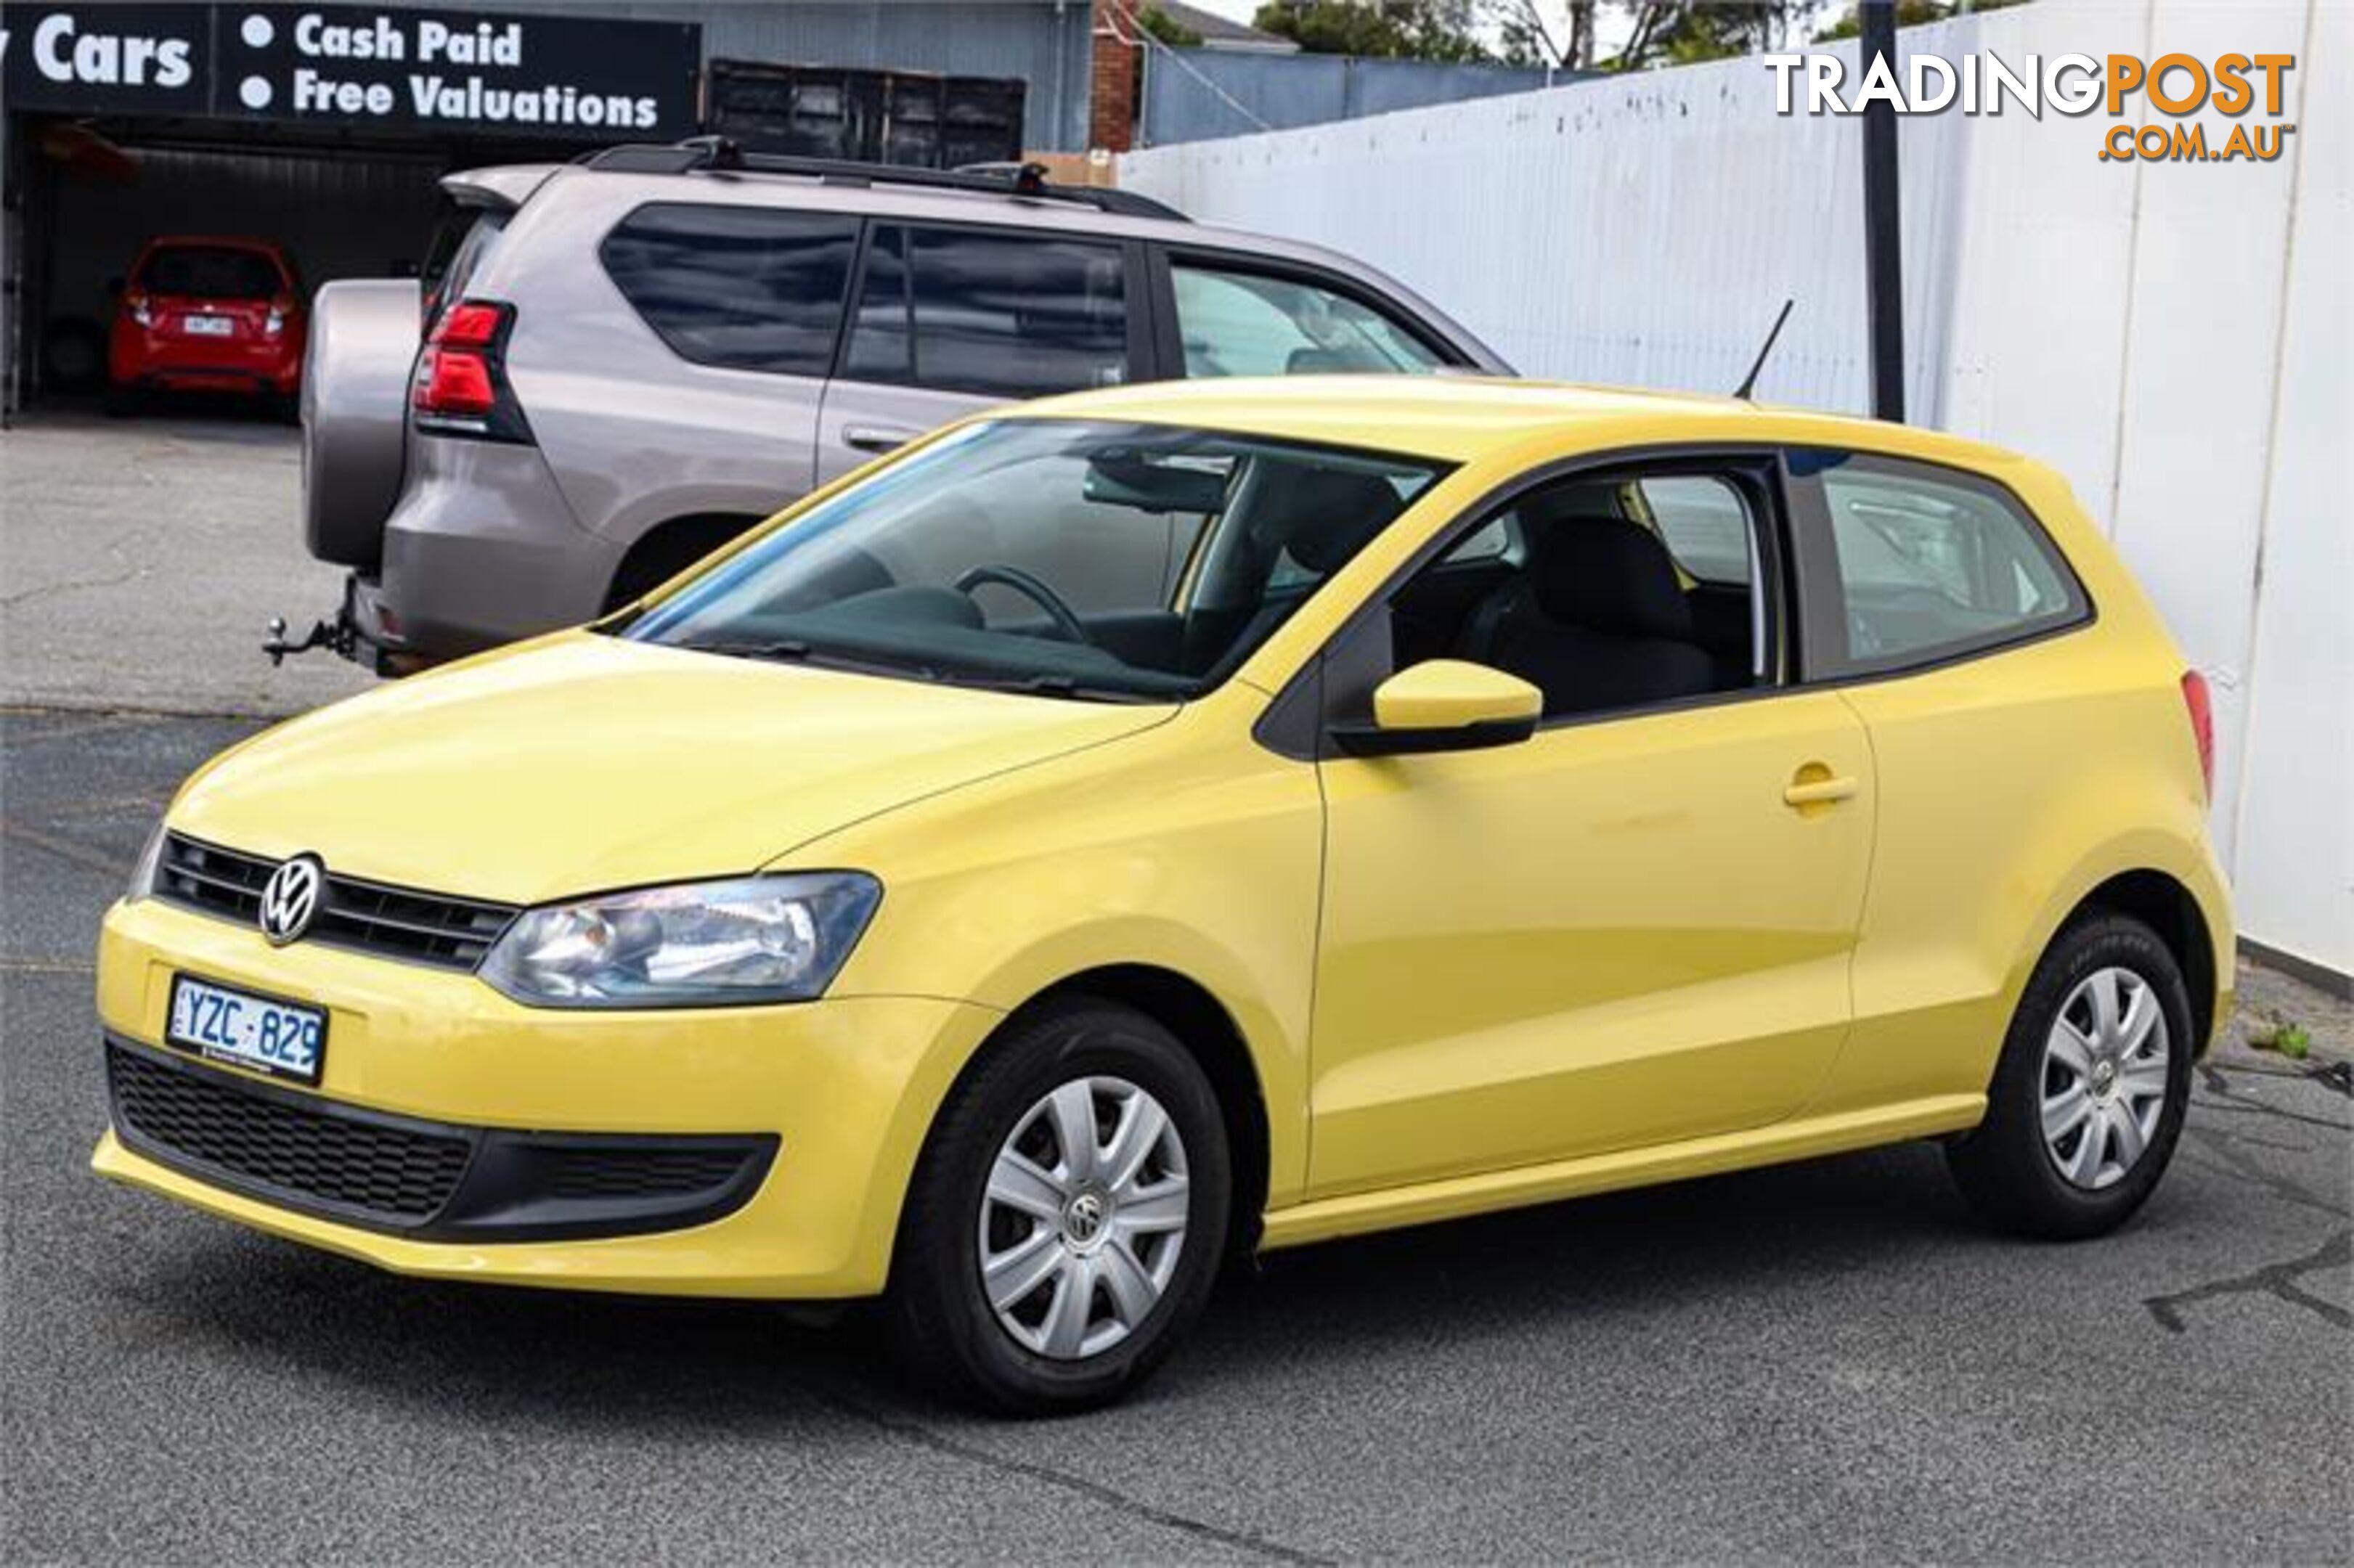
x,y
1806,792
876,437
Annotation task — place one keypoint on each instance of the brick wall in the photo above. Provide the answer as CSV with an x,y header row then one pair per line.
x,y
1112,88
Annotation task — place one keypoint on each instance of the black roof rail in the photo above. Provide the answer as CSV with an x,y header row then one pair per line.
x,y
720,154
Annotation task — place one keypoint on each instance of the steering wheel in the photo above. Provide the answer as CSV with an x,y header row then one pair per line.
x,y
1066,620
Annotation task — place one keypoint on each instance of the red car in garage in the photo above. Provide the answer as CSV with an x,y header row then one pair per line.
x,y
207,314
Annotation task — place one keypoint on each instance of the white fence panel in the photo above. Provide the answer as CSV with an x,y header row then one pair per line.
x,y
2173,338
2295,846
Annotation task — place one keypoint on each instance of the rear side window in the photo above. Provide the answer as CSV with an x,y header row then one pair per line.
x,y
1251,324
211,272
999,314
1932,563
743,288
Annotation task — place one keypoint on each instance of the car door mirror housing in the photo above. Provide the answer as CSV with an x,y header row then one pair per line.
x,y
1444,704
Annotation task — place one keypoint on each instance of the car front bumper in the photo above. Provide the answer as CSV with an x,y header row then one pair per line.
x,y
827,1103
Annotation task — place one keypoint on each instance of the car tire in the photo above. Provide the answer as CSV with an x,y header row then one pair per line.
x,y
73,355
1131,1289
2087,1100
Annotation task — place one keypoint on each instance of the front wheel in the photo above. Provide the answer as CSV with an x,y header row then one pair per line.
x,y
1068,1216
2088,1098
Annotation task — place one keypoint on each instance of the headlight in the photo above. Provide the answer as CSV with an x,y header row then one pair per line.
x,y
143,870
706,944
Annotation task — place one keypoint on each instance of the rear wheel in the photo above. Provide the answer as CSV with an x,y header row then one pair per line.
x,y
1068,1218
2088,1098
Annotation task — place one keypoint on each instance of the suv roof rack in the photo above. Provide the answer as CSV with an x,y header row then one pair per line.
x,y
701,154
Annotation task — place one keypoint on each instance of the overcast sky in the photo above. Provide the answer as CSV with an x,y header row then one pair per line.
x,y
1613,26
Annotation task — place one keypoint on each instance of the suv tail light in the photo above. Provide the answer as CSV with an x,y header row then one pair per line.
x,y
135,303
2202,724
460,387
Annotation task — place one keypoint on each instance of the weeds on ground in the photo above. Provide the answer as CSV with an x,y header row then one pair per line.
x,y
2283,1034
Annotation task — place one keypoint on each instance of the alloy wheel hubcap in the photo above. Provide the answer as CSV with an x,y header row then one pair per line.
x,y
2105,1079
1084,1218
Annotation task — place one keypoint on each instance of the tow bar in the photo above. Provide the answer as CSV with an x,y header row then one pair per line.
x,y
336,635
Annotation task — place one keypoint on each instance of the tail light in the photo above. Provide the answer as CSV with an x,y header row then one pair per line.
x,y
460,387
275,322
2202,724
136,303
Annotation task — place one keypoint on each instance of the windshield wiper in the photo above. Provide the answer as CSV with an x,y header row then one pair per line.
x,y
786,648
1046,685
793,650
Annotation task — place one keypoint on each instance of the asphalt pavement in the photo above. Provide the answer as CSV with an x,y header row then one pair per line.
x,y
142,559
1822,1363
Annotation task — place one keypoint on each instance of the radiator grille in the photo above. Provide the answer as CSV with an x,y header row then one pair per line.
x,y
368,916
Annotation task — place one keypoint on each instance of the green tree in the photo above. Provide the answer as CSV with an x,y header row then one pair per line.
x,y
1167,28
1379,29
1909,14
1567,34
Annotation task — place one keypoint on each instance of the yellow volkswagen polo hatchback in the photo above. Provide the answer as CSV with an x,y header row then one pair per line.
x,y
1116,835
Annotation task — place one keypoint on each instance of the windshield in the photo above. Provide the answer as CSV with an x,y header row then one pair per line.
x,y
1070,558
212,273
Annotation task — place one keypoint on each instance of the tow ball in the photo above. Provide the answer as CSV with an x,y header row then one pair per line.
x,y
334,635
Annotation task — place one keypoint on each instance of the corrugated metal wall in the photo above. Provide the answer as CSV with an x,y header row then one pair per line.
x,y
1191,95
1042,42
383,212
2173,336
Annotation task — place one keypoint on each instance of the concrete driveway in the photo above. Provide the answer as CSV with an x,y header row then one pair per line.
x,y
1824,1363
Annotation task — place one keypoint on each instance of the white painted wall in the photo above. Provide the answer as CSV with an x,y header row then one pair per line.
x,y
2175,337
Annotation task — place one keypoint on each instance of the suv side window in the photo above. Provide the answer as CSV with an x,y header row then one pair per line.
x,y
1253,323
1933,563
743,288
1003,315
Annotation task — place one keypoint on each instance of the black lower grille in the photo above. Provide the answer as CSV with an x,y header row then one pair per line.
x,y
392,1174
640,1173
432,1181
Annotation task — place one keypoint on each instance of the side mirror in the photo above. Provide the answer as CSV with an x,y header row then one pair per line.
x,y
1444,704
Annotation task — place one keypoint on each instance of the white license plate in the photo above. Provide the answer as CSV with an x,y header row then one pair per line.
x,y
273,1037
207,326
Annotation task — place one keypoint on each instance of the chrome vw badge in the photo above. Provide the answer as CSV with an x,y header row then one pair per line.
x,y
1083,1221
290,899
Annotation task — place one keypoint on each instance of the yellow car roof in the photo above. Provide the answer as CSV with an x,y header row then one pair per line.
x,y
1460,419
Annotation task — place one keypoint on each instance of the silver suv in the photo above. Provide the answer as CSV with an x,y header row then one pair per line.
x,y
626,362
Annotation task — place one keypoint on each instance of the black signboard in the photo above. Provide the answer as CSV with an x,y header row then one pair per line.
x,y
356,67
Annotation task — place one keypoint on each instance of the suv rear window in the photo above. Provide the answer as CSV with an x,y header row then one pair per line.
x,y
1000,314
211,272
460,245
743,288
